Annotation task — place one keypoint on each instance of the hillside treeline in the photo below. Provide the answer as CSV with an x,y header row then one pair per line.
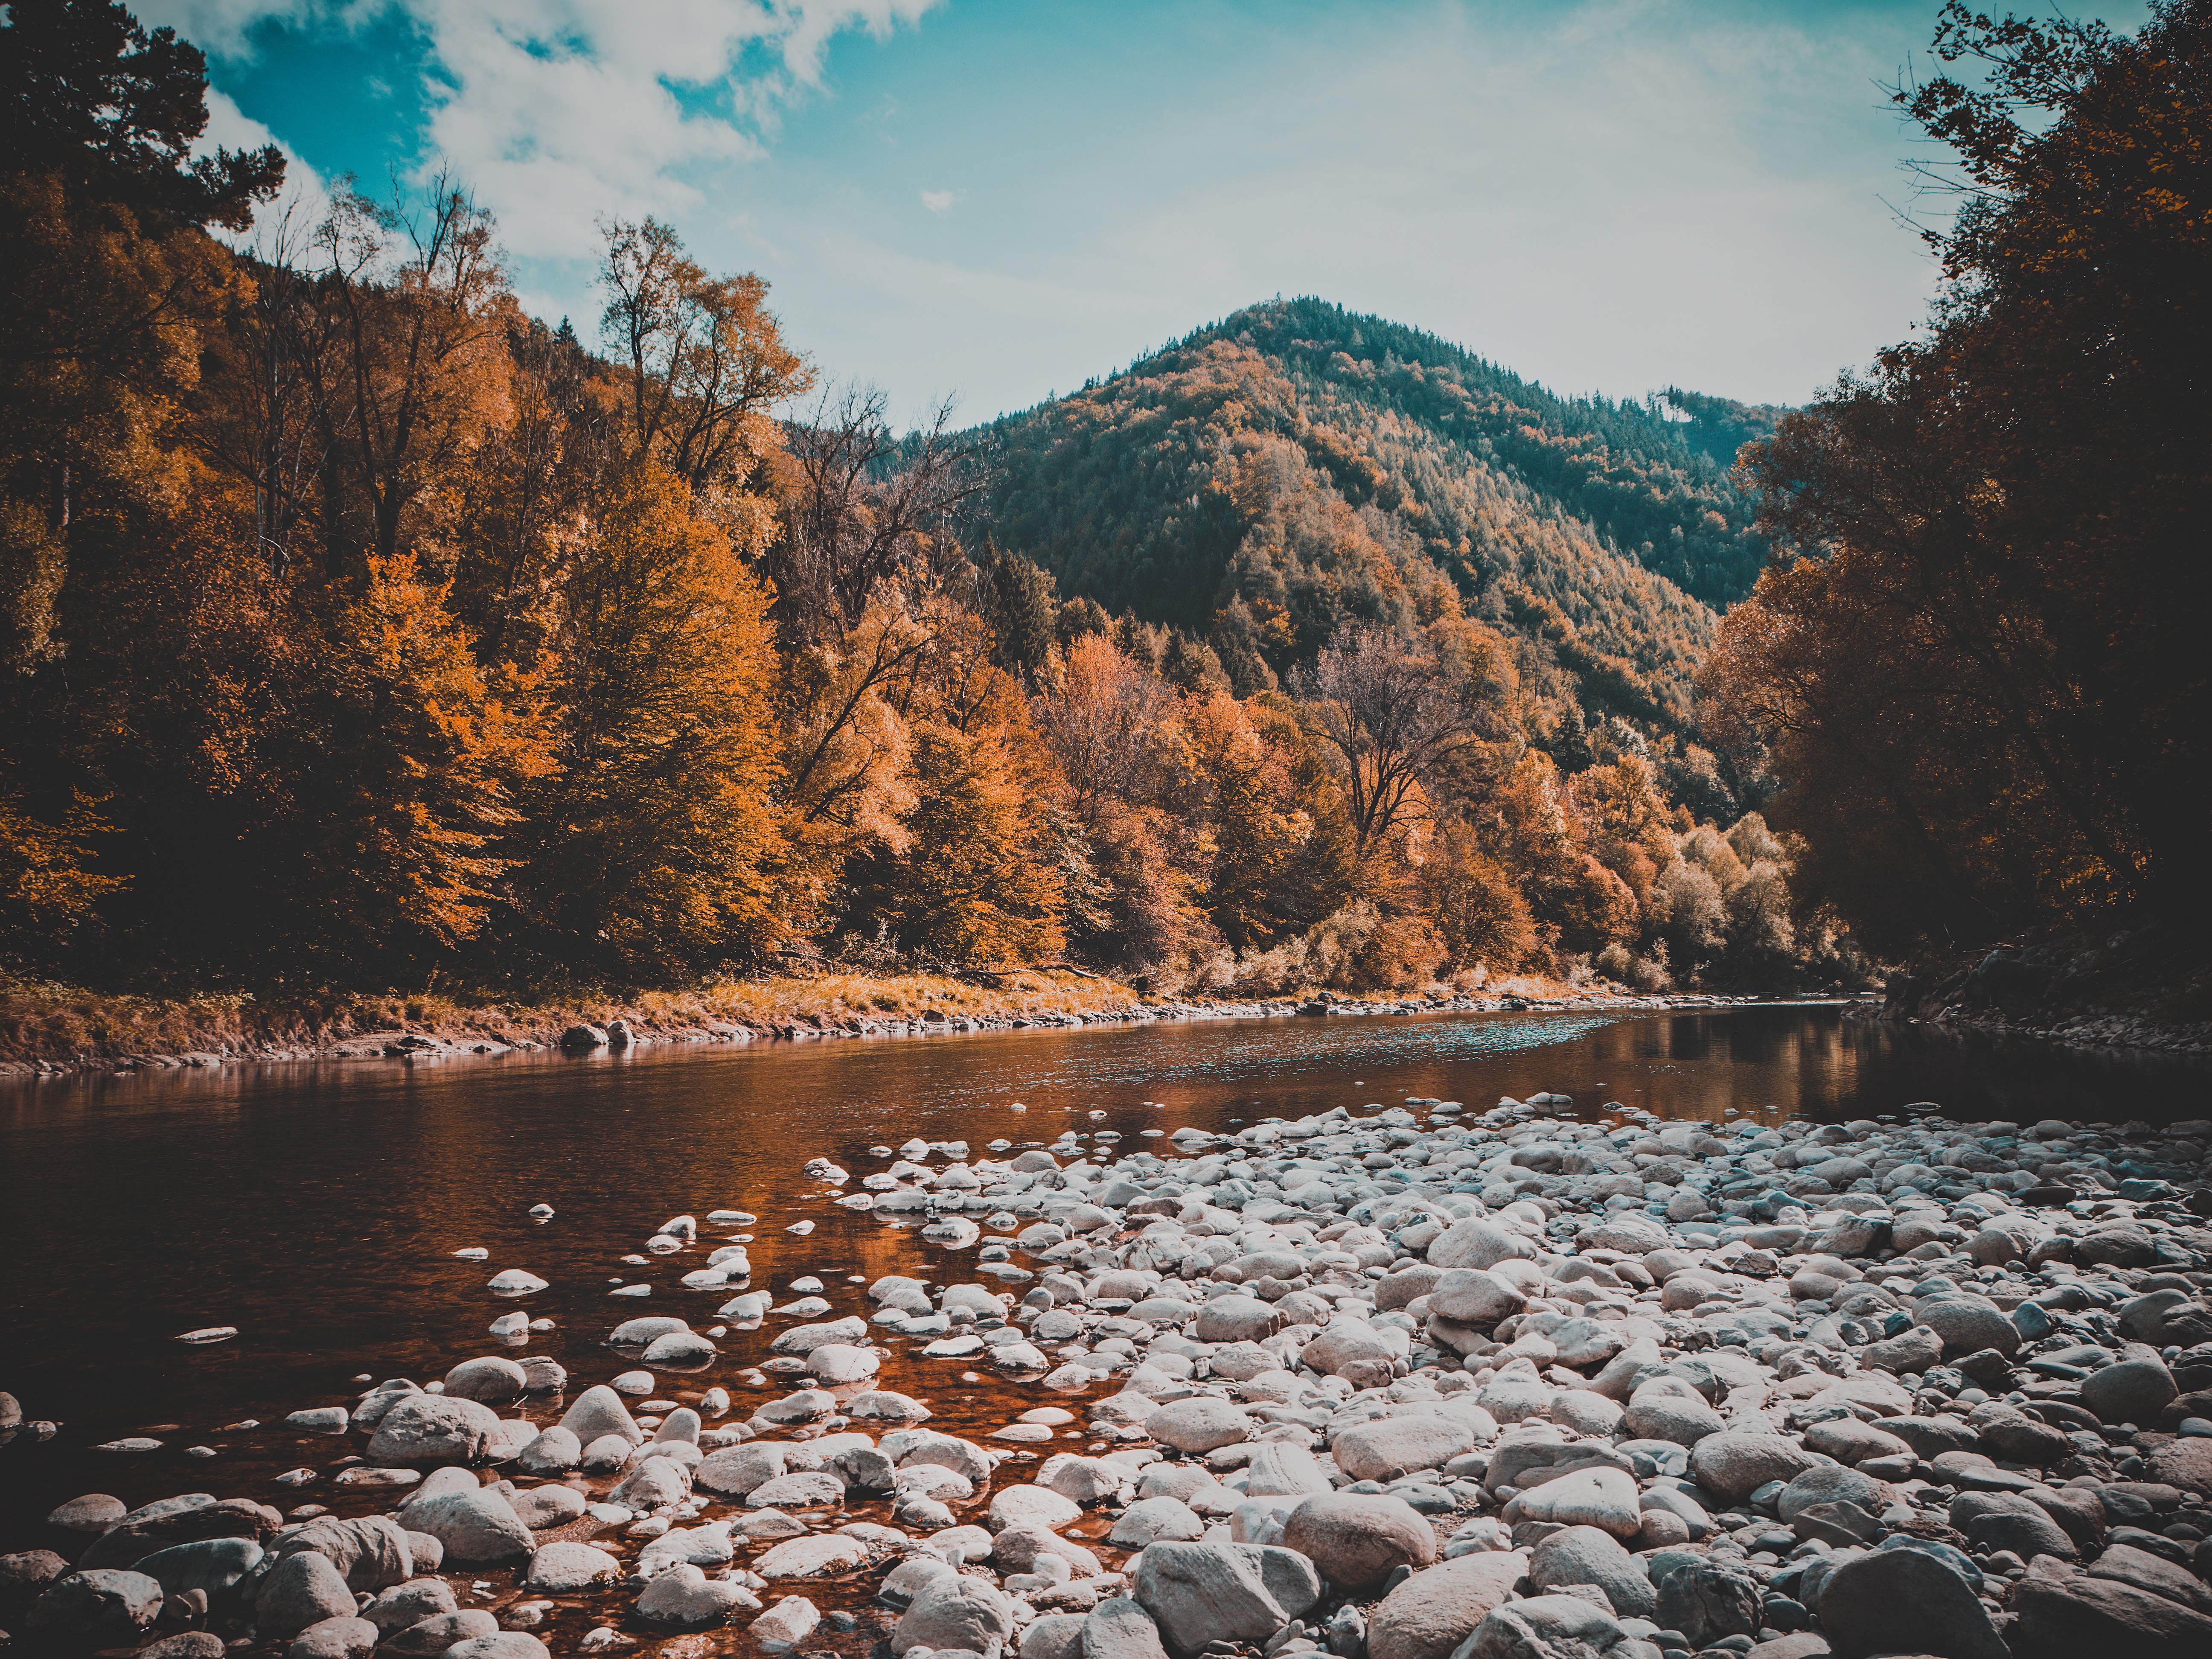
x,y
359,628
1979,671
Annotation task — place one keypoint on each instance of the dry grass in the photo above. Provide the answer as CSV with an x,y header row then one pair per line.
x,y
65,1024
837,997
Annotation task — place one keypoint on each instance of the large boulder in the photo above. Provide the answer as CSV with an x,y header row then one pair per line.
x,y
371,1552
1346,1345
2133,1388
1668,1410
734,1471
213,1566
554,1451
428,1431
1628,1231
1590,1555
685,1598
1708,1600
477,1526
1060,1635
1476,1296
1478,1242
1358,1541
104,1607
1199,1424
1595,1497
175,1521
802,1489
1151,1520
1831,1483
1199,1593
430,1637
1735,1464
1544,1628
2081,1616
301,1590
410,1603
492,1380
1905,1601
334,1639
1429,1615
1967,1324
500,1644
1907,1352
600,1410
1395,1446
1279,1469
1236,1319
817,1555
2027,1534
570,1568
1117,1628
2153,1573
1020,1505
2187,1463
1082,1480
1017,1550
958,1612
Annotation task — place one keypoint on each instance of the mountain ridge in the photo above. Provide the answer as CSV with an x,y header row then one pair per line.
x,y
1295,465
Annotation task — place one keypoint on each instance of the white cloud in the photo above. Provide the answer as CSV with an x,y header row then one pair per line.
x,y
306,199
558,111
221,26
940,201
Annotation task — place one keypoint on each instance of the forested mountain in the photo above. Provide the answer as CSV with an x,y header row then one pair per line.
x,y
359,629
1295,466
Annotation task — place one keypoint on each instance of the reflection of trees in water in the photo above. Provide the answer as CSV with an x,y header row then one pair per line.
x,y
1974,1075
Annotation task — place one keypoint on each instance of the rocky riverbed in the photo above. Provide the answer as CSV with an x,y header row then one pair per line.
x,y
1403,1383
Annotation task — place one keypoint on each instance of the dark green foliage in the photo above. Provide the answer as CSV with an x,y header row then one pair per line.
x,y
1019,602
1718,427
88,93
1108,488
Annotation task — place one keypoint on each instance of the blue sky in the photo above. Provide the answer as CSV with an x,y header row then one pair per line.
x,y
994,199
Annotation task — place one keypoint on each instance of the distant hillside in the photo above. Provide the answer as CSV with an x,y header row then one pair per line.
x,y
1294,464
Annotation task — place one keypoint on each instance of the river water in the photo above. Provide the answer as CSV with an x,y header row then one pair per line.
x,y
317,1207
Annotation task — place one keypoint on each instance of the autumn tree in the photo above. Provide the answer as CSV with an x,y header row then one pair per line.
x,y
654,844
1256,824
705,362
864,509
1476,904
1396,717
1979,672
409,837
1113,728
418,370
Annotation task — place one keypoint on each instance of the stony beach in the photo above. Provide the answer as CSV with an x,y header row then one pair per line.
x,y
800,1018
1413,1382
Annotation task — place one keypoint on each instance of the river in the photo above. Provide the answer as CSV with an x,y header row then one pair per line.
x,y
317,1206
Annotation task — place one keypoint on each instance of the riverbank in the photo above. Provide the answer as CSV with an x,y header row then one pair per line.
x,y
48,1028
2149,988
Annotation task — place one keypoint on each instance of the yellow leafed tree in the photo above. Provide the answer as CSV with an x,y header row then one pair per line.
x,y
656,845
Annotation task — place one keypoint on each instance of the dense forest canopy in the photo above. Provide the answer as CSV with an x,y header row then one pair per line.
x,y
1296,460
1979,668
359,628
